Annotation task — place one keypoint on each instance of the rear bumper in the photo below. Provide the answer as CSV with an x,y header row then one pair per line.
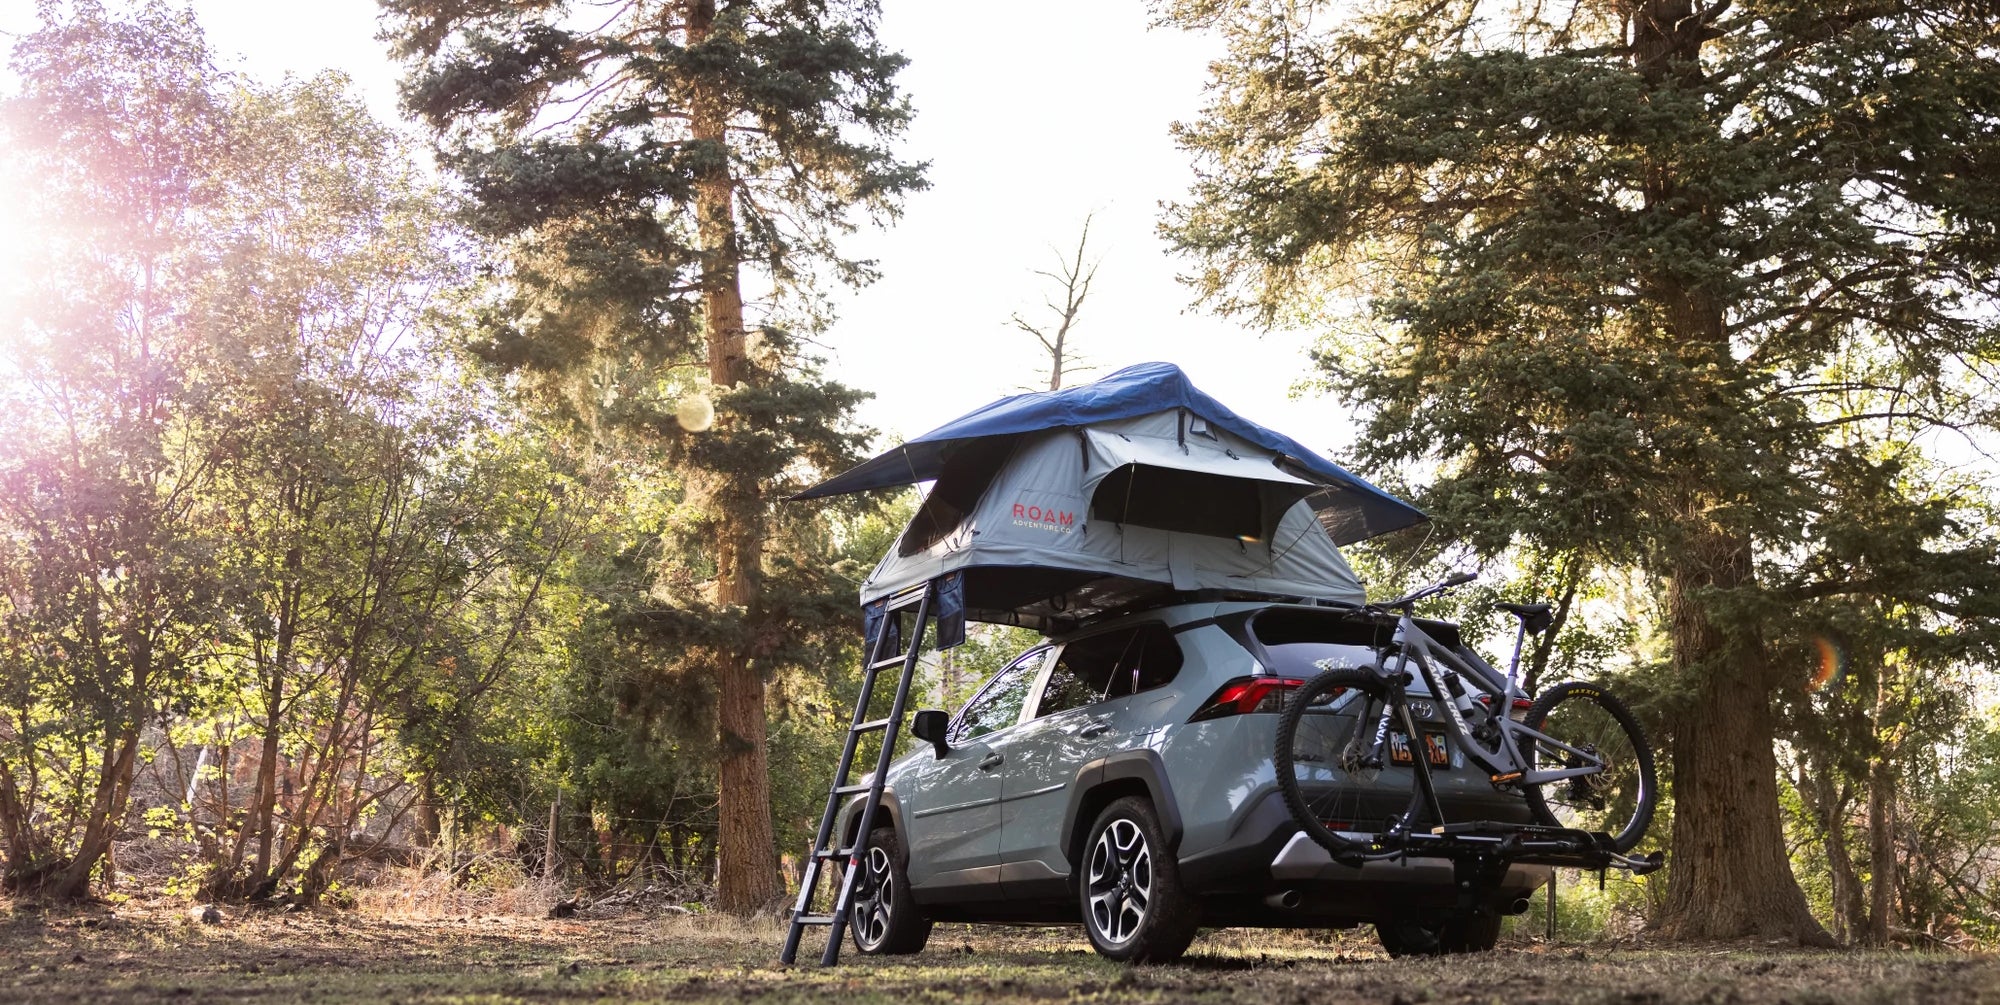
x,y
1269,854
1303,861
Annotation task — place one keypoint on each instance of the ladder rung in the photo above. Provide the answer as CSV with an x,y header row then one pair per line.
x,y
880,665
852,790
835,854
871,725
812,919
910,599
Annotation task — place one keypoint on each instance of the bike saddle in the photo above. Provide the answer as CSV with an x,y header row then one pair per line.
x,y
1534,617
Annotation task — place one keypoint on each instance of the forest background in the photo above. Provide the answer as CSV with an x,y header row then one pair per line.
x,y
409,497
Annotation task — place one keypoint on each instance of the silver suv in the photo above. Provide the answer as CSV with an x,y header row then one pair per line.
x,y
1122,776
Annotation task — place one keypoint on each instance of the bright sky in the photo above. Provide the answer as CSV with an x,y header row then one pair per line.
x,y
1033,114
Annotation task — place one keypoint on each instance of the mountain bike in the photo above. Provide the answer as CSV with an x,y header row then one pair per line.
x,y
1575,753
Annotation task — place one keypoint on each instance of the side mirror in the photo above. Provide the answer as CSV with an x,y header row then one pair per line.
x,y
929,726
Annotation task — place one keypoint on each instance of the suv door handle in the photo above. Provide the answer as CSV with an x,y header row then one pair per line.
x,y
990,762
1094,729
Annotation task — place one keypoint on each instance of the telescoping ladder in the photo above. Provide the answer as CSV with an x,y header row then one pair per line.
x,y
882,654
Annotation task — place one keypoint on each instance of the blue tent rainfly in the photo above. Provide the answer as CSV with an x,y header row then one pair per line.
x,y
1348,506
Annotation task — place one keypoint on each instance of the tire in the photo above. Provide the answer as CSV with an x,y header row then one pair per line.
x,y
1321,731
1617,802
1439,934
1129,888
883,917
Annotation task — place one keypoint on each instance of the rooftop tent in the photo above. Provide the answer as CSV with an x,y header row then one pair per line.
x,y
1058,505
1353,509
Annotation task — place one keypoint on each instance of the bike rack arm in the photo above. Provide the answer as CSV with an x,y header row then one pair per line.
x,y
1526,844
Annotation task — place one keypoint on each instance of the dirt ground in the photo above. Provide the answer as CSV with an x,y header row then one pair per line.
x,y
138,952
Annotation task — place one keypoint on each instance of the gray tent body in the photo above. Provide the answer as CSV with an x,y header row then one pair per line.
x,y
1053,526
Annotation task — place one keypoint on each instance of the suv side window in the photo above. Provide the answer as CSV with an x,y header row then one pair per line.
x,y
998,704
1111,665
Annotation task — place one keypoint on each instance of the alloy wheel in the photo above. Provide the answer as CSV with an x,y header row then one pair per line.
x,y
1120,881
871,904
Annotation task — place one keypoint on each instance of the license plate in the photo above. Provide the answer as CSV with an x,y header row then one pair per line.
x,y
1434,749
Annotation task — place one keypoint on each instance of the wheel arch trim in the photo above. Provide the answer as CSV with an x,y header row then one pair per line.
x,y
891,807
1143,766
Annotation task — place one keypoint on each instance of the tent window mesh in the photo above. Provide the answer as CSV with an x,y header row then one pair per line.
x,y
964,479
1191,502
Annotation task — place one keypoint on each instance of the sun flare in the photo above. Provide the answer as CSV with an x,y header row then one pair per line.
x,y
15,242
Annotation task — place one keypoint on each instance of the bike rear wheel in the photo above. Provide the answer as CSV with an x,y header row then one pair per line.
x,y
1617,801
1326,759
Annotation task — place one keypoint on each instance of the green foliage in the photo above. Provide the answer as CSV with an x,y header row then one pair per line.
x,y
1585,913
1506,206
637,170
1948,875
602,316
1682,288
272,565
108,571
283,584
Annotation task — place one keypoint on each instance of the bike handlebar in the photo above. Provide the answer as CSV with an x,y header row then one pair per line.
x,y
1409,600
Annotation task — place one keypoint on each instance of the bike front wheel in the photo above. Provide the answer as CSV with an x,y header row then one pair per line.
x,y
1329,758
1588,725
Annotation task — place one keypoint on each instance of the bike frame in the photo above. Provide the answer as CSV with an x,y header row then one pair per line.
x,y
1439,669
1504,765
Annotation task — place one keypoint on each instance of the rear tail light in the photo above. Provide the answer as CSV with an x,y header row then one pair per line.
x,y
1521,706
1246,695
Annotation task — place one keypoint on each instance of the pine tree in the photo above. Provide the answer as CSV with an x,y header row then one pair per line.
x,y
639,166
1643,278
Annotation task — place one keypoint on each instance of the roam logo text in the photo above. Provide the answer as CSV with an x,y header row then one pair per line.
x,y
1044,518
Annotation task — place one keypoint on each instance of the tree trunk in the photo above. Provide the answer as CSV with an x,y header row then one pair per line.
x,y
749,879
1729,874
264,811
1881,854
1881,822
707,839
318,874
28,859
428,826
114,777
107,813
1056,358
549,840
264,816
1829,800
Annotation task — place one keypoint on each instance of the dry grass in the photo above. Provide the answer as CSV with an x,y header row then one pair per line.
x,y
148,952
488,885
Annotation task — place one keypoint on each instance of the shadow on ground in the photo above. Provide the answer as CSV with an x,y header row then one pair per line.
x,y
153,953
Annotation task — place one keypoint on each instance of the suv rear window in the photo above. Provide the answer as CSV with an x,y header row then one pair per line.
x,y
1294,640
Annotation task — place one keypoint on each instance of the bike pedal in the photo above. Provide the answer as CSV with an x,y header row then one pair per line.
x,y
1511,776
